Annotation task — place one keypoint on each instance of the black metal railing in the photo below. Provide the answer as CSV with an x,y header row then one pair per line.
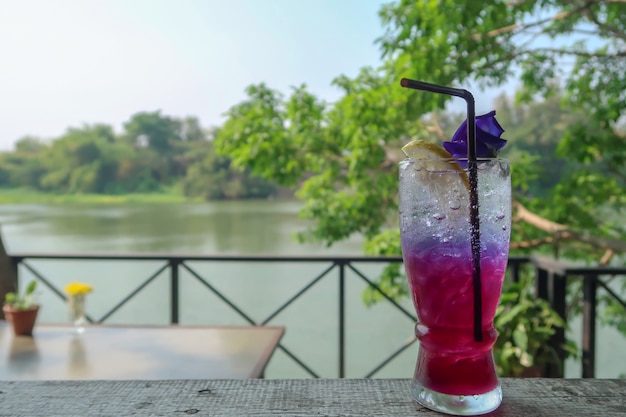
x,y
175,262
552,278
551,284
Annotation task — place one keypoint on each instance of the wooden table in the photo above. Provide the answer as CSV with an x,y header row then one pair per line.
x,y
137,352
321,397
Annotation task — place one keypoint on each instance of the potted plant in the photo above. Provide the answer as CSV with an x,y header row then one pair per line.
x,y
21,310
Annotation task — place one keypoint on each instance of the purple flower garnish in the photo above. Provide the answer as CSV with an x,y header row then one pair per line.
x,y
488,142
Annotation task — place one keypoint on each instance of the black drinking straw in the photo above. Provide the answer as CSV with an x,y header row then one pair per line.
x,y
473,192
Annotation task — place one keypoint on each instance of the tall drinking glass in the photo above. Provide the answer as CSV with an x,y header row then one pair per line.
x,y
454,374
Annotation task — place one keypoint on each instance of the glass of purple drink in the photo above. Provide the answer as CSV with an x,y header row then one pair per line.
x,y
455,371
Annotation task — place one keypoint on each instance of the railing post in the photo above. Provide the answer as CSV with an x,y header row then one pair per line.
x,y
552,288
8,274
174,293
342,318
541,283
515,272
589,326
558,293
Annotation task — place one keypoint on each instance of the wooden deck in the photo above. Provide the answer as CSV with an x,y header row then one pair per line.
x,y
310,397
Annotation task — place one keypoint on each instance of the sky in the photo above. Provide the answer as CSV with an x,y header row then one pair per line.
x,y
65,63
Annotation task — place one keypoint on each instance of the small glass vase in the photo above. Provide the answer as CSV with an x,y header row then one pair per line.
x,y
76,310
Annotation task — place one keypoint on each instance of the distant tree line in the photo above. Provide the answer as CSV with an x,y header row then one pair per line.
x,y
152,154
155,153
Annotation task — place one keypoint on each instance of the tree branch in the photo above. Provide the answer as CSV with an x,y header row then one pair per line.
x,y
436,128
606,258
603,26
561,232
525,215
586,54
533,243
516,26
564,52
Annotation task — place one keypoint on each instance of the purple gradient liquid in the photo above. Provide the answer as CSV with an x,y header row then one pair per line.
x,y
440,279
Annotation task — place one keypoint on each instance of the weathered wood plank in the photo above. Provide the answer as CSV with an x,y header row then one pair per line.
x,y
330,397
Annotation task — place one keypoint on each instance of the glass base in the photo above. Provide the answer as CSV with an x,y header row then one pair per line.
x,y
459,405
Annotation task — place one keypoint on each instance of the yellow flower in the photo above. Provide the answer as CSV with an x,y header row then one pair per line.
x,y
75,288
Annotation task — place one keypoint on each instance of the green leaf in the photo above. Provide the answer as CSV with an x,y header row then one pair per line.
x,y
9,298
520,338
509,315
30,289
526,360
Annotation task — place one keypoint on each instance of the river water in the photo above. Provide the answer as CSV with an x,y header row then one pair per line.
x,y
237,227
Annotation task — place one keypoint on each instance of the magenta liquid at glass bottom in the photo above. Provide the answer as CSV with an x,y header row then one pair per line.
x,y
450,361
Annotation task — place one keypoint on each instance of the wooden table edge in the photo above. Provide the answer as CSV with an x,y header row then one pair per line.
x,y
259,369
154,326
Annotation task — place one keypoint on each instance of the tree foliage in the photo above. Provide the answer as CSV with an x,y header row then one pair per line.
x,y
566,124
568,55
154,152
211,177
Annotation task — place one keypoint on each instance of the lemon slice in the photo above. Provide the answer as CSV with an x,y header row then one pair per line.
x,y
434,158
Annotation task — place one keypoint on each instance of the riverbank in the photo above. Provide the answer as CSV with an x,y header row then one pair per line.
x,y
27,196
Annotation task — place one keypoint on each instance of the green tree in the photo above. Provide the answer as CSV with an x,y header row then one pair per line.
x,y
343,157
335,156
83,160
193,139
155,138
152,130
579,46
534,130
190,130
211,177
155,152
24,167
